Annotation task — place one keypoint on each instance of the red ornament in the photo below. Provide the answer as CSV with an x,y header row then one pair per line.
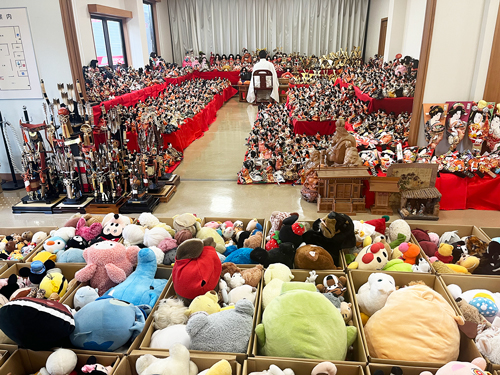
x,y
271,244
63,111
298,229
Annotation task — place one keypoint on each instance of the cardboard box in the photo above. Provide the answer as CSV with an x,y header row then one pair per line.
x,y
468,350
490,232
342,264
68,270
145,344
463,231
299,367
407,370
20,230
203,361
358,355
473,282
24,362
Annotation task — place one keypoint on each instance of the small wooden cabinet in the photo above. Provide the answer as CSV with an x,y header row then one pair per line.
x,y
383,187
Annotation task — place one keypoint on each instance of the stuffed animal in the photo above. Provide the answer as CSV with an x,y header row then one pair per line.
x,y
277,218
422,305
148,220
223,367
420,235
9,286
371,257
77,242
489,263
87,232
37,271
91,367
182,236
54,282
83,296
239,255
472,318
411,252
207,303
287,325
292,231
333,233
373,294
50,323
167,337
226,331
363,231
488,342
449,237
140,287
429,248
423,266
398,265
209,232
278,271
397,227
106,324
346,311
170,311
285,254
70,256
187,221
153,237
477,367
475,246
112,227
444,253
196,269
274,370
60,362
253,241
54,244
133,234
235,280
313,257
252,276
242,292
333,284
177,363
108,264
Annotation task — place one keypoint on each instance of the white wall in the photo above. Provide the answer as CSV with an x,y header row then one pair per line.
x,y
165,39
378,9
395,29
457,71
414,27
52,61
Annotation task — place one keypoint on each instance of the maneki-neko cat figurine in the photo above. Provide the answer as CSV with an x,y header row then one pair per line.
x,y
434,114
479,125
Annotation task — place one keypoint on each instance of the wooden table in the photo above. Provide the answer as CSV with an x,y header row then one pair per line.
x,y
243,91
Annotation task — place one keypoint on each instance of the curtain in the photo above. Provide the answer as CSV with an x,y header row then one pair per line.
x,y
227,26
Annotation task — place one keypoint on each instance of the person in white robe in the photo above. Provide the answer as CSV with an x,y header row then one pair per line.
x,y
263,64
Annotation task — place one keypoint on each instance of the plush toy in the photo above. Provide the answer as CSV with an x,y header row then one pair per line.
x,y
449,237
148,220
444,253
333,233
472,318
420,235
253,241
187,221
133,234
223,367
242,292
108,264
106,324
159,255
285,254
411,252
428,247
278,271
274,370
486,306
209,232
346,311
333,284
83,296
399,227
489,263
371,257
54,244
226,331
313,257
239,255
170,311
444,268
167,337
182,236
422,305
469,295
70,256
423,266
113,226
87,232
43,256
177,363
91,367
373,294
363,231
9,286
292,231
37,271
153,237
287,326
462,257
488,342
77,242
235,280
50,323
207,303
60,362
271,291
252,276
398,265
196,269
54,282
398,241
140,287
477,367
475,246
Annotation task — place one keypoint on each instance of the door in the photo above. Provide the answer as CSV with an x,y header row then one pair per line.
x,y
381,40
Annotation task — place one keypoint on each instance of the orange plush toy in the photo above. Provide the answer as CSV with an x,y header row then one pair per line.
x,y
410,251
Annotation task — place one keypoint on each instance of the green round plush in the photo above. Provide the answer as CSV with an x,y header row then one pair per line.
x,y
303,324
206,232
397,265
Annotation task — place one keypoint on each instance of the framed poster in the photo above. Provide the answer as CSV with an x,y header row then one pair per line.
x,y
18,71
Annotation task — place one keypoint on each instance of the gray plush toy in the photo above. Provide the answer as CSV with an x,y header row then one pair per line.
x,y
226,331
169,258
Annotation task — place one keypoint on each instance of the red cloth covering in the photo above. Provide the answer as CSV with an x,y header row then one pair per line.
x,y
131,98
232,76
313,127
483,193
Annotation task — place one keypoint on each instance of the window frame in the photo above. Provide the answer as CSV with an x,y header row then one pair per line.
x,y
152,4
107,42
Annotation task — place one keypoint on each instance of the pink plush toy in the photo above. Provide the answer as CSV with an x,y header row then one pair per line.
x,y
87,233
476,367
108,264
167,244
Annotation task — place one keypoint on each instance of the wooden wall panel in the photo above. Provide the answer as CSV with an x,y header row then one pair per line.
x,y
492,87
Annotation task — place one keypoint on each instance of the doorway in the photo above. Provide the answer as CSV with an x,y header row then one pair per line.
x,y
383,33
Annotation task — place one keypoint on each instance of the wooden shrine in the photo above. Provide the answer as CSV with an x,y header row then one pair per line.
x,y
383,187
340,189
421,204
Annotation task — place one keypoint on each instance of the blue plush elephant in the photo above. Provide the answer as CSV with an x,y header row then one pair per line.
x,y
141,288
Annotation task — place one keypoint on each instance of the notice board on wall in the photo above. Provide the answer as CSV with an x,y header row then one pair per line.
x,y
18,70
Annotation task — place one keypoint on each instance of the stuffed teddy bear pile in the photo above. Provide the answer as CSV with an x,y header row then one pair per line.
x,y
19,246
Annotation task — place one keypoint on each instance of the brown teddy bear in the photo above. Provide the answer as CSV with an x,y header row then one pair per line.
x,y
333,284
312,257
252,276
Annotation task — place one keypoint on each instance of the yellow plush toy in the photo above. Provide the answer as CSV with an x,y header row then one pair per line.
x,y
54,282
207,302
220,368
43,256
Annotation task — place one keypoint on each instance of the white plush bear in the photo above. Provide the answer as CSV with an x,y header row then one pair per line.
x,y
372,295
234,281
178,363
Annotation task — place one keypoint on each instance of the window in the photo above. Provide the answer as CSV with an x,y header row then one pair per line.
x,y
150,26
108,41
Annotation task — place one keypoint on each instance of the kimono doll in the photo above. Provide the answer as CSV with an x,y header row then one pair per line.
x,y
478,125
455,127
434,128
